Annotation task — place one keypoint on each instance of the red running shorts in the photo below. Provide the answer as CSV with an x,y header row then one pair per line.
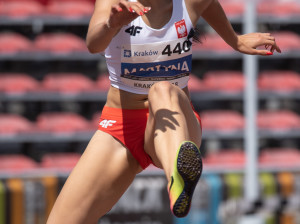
x,y
128,126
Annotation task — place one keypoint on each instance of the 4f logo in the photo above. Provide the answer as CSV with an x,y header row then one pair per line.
x,y
107,123
133,30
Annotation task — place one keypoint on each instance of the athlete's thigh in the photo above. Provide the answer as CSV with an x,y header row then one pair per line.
x,y
102,175
193,129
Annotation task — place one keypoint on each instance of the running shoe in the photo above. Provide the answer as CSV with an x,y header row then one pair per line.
x,y
186,174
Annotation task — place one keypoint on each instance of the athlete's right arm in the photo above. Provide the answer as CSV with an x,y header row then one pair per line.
x,y
108,18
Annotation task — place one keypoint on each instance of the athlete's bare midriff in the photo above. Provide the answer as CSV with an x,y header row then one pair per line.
x,y
117,98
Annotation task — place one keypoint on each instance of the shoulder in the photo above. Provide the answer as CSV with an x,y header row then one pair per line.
x,y
196,8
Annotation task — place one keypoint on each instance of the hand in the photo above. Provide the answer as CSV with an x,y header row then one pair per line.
x,y
124,12
248,43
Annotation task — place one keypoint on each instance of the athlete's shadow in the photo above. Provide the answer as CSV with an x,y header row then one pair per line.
x,y
165,119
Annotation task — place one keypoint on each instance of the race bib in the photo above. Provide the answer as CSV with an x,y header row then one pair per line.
x,y
144,64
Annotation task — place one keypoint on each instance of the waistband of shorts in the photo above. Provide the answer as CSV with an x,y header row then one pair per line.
x,y
128,113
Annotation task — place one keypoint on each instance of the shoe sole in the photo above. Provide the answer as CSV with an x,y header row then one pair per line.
x,y
189,166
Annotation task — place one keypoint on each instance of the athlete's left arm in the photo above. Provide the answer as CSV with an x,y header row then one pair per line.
x,y
216,18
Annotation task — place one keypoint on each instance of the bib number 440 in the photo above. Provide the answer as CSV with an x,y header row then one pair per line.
x,y
178,49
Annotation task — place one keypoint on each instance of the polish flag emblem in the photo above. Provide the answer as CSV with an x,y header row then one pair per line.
x,y
181,29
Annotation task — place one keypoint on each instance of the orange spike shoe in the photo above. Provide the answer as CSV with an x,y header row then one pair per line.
x,y
186,174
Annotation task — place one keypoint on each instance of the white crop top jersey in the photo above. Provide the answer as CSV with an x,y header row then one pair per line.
x,y
139,56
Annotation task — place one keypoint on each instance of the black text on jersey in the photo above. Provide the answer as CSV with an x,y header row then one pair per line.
x,y
133,30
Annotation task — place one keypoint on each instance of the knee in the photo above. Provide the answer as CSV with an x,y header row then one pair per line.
x,y
165,92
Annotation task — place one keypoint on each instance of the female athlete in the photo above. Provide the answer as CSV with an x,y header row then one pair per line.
x,y
148,117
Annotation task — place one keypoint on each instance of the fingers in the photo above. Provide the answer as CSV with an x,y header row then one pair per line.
x,y
116,9
262,52
274,45
254,51
267,40
124,12
133,7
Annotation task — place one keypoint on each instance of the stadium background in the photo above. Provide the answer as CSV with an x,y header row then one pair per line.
x,y
52,91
